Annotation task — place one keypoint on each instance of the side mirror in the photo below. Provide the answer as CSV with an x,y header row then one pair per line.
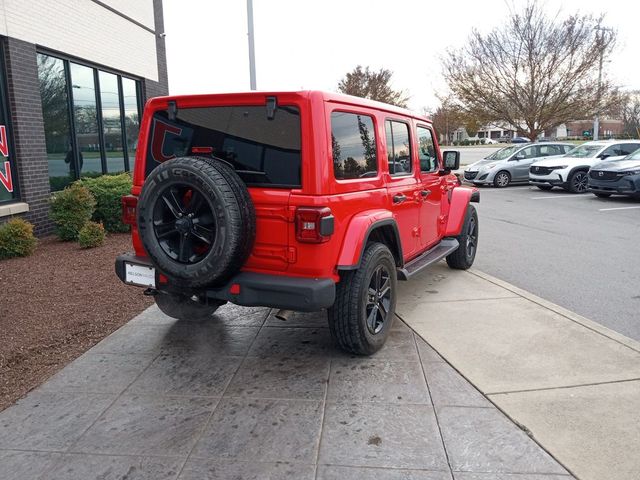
x,y
451,160
602,156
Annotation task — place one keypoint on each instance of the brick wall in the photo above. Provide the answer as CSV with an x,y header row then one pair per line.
x,y
29,148
161,87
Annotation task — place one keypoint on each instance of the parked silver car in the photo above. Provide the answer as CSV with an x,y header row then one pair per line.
x,y
511,164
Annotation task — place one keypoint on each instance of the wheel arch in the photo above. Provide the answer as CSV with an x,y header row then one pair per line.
x,y
366,228
458,202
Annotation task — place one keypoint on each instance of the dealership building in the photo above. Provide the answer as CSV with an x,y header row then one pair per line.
x,y
74,76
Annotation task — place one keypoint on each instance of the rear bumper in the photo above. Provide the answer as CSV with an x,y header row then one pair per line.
x,y
253,289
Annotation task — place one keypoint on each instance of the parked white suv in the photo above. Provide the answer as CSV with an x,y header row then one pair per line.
x,y
569,171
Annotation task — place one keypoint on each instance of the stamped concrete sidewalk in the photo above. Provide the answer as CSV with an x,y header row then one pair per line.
x,y
573,384
246,396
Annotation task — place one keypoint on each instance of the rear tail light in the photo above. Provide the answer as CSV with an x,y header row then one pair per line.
x,y
129,208
313,224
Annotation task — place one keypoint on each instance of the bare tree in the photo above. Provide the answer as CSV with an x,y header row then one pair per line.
x,y
535,72
631,114
447,118
365,83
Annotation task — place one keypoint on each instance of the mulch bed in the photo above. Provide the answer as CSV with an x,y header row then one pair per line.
x,y
55,305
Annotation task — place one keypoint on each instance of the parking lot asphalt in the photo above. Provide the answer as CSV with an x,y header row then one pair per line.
x,y
578,251
246,396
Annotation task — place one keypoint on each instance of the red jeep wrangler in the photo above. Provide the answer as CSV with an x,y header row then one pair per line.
x,y
297,201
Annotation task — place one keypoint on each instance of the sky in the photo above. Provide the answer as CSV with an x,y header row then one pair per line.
x,y
311,45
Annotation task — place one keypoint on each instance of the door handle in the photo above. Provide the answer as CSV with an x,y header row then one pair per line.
x,y
399,198
425,193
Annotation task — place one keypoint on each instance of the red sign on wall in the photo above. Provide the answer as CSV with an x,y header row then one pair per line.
x,y
5,177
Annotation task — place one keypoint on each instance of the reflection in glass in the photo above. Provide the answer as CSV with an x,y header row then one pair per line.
x,y
55,111
85,116
353,145
111,122
131,117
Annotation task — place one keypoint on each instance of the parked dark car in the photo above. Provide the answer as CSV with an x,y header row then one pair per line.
x,y
520,140
616,177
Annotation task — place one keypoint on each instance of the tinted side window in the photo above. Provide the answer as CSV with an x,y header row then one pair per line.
x,y
611,151
529,152
628,148
547,150
353,145
426,150
398,147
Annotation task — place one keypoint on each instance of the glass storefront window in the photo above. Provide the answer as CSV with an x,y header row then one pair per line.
x,y
91,120
131,117
55,110
85,118
111,122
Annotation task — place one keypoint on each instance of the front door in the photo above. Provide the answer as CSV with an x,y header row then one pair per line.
x,y
430,191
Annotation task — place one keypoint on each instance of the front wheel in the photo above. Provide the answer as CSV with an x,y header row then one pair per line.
x,y
502,179
362,314
183,307
465,254
578,182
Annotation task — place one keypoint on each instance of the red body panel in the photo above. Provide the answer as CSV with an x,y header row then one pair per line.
x,y
355,204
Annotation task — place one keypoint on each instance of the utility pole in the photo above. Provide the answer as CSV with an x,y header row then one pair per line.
x,y
600,40
252,49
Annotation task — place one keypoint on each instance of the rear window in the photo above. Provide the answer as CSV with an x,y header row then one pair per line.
x,y
262,151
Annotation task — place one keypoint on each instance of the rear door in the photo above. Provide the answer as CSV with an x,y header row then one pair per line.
x,y
265,153
403,187
430,192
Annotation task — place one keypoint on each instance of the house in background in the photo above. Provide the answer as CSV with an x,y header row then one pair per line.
x,y
74,76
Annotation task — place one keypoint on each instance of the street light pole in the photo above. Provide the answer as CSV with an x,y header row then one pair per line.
x,y
252,50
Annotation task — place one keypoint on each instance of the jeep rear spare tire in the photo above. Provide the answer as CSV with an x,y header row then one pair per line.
x,y
196,221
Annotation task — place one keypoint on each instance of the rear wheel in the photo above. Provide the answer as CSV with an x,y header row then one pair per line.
x,y
184,307
463,257
362,314
602,195
502,179
578,182
546,188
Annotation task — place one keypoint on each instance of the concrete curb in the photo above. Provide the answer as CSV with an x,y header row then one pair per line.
x,y
568,314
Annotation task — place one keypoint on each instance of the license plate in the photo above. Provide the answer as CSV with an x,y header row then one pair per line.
x,y
142,275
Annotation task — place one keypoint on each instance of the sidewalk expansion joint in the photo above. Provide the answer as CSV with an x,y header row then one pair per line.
x,y
562,387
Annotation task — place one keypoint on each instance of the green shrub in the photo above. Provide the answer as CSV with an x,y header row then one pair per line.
x,y
91,235
16,239
108,191
71,208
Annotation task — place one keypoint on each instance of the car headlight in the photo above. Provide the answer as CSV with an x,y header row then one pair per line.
x,y
630,172
559,167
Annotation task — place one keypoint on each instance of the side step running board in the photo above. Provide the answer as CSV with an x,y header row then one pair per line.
x,y
431,256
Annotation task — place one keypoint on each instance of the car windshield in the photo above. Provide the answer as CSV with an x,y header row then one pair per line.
x,y
584,151
503,153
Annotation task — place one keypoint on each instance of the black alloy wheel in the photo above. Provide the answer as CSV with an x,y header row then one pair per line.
x,y
378,300
472,237
184,224
579,182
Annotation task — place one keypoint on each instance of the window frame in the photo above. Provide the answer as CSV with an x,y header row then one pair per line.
x,y
411,153
376,132
435,150
96,68
8,125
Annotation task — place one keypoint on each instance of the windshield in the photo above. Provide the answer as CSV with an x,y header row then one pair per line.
x,y
584,151
503,153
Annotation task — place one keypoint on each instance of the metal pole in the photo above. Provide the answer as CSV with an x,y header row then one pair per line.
x,y
596,121
252,50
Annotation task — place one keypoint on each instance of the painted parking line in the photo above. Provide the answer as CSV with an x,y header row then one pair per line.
x,y
617,208
556,196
